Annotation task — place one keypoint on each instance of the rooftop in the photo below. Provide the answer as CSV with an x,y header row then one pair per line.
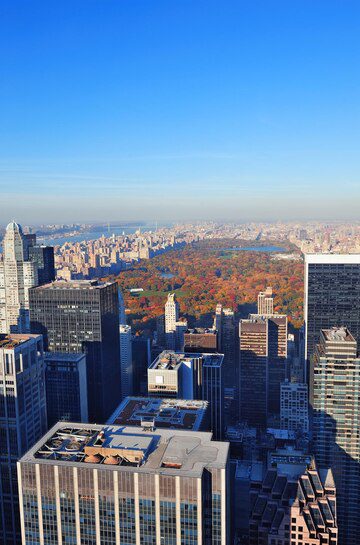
x,y
73,285
64,356
170,452
160,413
12,340
169,360
338,334
202,331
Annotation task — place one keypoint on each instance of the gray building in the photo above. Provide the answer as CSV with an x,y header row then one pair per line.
x,y
66,387
110,485
190,376
335,403
22,419
332,296
83,316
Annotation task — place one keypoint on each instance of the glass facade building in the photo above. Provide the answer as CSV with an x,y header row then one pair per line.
x,y
83,316
173,491
332,296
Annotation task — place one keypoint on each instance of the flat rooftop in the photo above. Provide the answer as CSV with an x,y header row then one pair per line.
x,y
73,285
338,334
169,360
12,340
156,412
201,331
64,356
129,448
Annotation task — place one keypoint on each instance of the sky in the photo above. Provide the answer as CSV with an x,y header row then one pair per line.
x,y
167,110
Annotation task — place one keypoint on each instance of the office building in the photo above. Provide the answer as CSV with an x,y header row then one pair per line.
x,y
190,376
266,302
294,403
156,412
141,356
22,419
228,344
296,503
172,310
126,361
122,315
83,316
17,275
43,257
201,340
122,485
335,403
180,328
332,296
263,354
66,387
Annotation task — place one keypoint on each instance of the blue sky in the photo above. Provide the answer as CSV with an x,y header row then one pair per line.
x,y
179,109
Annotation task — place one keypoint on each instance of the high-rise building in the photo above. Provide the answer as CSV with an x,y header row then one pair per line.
x,y
190,376
43,257
83,316
17,275
332,296
224,323
294,403
171,319
126,361
335,403
266,302
123,485
296,503
122,315
66,387
22,419
141,355
263,354
180,328
201,340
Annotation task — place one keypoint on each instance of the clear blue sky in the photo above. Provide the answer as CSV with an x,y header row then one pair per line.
x,y
178,109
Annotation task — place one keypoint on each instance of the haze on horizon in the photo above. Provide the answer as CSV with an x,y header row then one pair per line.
x,y
238,110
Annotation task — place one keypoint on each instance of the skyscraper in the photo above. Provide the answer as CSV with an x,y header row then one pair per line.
x,y
263,352
22,419
126,363
66,387
201,340
43,257
17,275
171,318
224,323
294,413
83,316
296,503
123,485
266,302
332,296
335,403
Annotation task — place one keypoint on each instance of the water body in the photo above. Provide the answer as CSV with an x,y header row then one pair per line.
x,y
93,235
167,275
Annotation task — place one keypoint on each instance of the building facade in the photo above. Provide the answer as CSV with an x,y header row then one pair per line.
x,y
124,486
22,419
126,361
263,358
266,302
332,296
201,340
66,387
83,316
335,404
294,407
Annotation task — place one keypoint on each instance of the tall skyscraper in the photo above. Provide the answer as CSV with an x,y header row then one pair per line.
x,y
332,296
296,503
83,316
263,353
43,257
17,275
22,419
335,403
123,485
190,376
294,413
122,315
224,323
266,302
126,361
66,387
171,318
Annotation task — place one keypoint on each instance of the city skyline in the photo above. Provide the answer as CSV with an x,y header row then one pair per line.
x,y
140,107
